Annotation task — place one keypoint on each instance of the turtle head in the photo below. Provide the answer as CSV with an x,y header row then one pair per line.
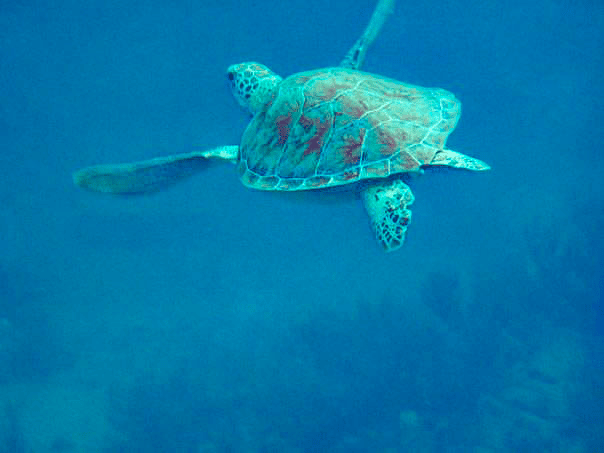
x,y
252,84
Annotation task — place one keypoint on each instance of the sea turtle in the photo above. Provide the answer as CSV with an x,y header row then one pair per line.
x,y
322,129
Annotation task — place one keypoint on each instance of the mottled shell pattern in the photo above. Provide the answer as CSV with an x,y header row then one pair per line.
x,y
335,126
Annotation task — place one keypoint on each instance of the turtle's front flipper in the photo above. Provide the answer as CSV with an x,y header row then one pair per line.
x,y
355,56
449,158
386,203
149,175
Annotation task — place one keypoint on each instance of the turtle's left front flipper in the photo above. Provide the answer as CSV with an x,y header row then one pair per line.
x,y
149,175
386,203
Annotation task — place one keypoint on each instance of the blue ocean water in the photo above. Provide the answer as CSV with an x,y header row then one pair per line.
x,y
213,318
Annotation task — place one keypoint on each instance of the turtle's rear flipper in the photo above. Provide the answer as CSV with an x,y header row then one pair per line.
x,y
148,175
454,159
386,203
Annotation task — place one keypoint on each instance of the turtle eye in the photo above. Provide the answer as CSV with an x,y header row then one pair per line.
x,y
230,75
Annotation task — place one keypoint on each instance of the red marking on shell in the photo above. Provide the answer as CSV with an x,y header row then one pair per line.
x,y
282,113
316,141
328,90
405,161
283,123
351,107
306,144
351,150
341,121
390,144
306,123
347,176
399,134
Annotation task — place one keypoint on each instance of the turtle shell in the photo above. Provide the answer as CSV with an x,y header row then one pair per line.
x,y
337,126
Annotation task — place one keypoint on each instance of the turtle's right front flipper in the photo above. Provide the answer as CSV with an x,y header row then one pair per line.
x,y
149,175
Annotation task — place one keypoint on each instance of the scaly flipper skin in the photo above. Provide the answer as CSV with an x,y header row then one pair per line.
x,y
453,159
386,204
149,175
356,55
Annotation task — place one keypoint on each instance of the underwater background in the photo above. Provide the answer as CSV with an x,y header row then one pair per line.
x,y
213,318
